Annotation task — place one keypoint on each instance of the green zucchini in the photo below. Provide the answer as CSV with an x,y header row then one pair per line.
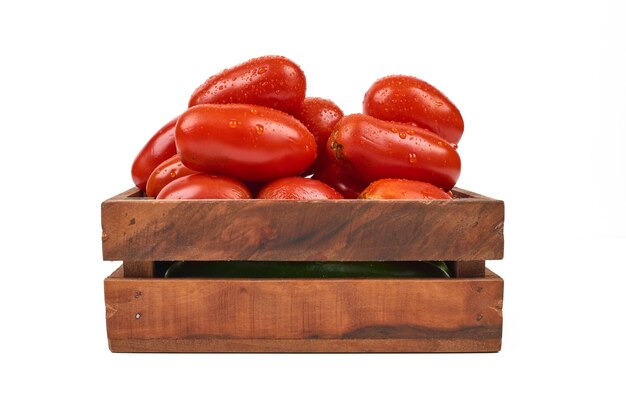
x,y
307,269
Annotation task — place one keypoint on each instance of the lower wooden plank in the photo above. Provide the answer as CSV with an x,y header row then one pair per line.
x,y
304,315
227,345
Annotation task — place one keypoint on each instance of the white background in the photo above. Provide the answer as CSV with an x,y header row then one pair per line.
x,y
542,88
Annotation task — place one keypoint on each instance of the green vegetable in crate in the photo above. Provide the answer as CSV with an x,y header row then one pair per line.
x,y
307,269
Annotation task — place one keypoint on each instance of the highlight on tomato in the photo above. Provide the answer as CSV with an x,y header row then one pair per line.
x,y
403,189
205,186
320,117
158,149
247,142
271,81
371,149
406,99
166,172
298,188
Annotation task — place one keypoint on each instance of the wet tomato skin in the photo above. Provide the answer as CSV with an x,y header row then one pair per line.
x,y
371,149
166,172
298,188
337,178
320,117
403,189
271,81
205,186
247,142
406,99
158,149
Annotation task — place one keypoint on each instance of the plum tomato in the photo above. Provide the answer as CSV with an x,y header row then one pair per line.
x,y
403,189
158,149
271,81
337,178
320,117
406,99
298,188
166,172
247,142
204,186
371,149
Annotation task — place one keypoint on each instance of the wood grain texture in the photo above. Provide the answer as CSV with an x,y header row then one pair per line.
x,y
138,268
346,315
469,227
474,268
363,345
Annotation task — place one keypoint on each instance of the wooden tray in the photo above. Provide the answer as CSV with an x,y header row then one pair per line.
x,y
146,313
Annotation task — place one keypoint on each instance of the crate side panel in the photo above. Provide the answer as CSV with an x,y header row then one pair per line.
x,y
146,229
205,309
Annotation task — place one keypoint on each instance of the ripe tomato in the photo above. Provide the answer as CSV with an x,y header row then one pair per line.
x,y
337,178
166,172
158,149
247,142
298,188
320,117
205,186
270,81
403,189
401,98
371,149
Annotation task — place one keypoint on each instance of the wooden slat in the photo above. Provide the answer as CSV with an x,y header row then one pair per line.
x,y
138,268
474,268
304,315
467,228
364,345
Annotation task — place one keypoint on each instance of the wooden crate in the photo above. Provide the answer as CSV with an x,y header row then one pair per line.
x,y
145,313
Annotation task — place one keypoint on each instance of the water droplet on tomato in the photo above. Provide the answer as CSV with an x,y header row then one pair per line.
x,y
262,70
259,129
394,130
172,174
254,111
232,123
412,158
402,135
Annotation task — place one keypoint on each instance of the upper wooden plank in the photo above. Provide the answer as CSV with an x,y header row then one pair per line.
x,y
469,227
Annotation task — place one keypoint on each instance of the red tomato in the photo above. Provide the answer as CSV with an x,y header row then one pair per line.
x,y
270,81
320,117
166,172
298,188
337,178
247,142
403,189
158,149
371,149
401,98
205,186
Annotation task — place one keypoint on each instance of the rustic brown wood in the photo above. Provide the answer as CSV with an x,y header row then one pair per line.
x,y
364,345
466,228
379,315
474,268
138,268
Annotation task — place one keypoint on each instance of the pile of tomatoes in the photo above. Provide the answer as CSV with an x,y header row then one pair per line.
x,y
250,131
